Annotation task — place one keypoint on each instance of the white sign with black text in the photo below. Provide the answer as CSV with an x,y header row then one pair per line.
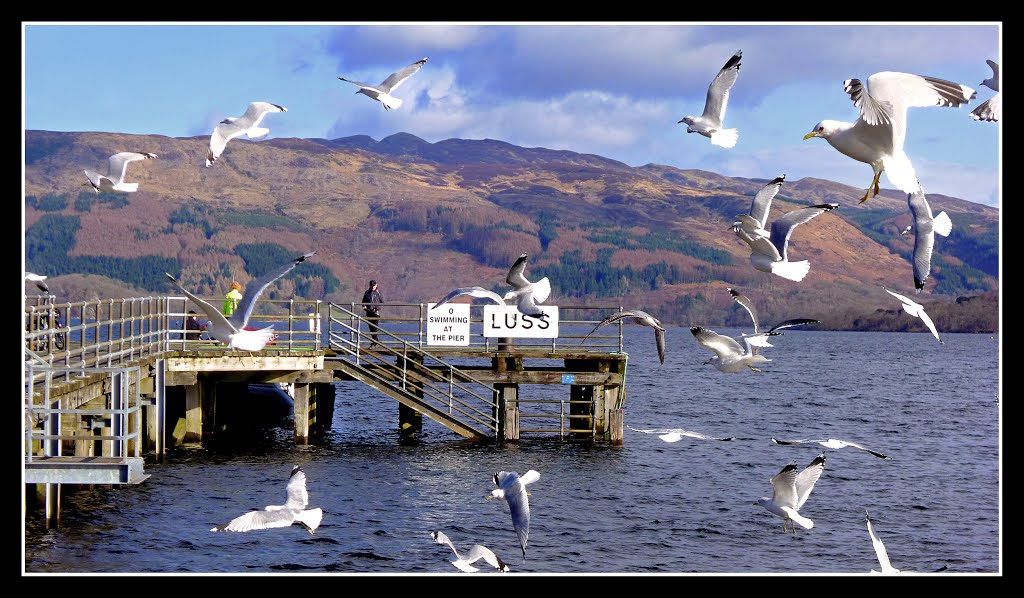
x,y
448,324
509,322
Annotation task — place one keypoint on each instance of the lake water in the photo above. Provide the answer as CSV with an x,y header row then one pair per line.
x,y
644,507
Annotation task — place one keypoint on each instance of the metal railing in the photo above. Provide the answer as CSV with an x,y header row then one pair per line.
x,y
430,379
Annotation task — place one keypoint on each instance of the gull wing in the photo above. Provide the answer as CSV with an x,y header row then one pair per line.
x,y
222,133
474,291
836,443
718,91
762,202
791,323
889,94
748,305
298,498
880,552
255,288
659,342
359,83
255,112
723,346
784,486
924,238
991,110
217,319
119,163
518,502
477,552
258,520
805,481
398,77
782,228
516,276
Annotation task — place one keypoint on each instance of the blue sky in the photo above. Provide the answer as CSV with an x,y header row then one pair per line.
x,y
612,89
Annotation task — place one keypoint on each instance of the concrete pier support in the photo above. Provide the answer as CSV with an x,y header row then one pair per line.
x,y
200,408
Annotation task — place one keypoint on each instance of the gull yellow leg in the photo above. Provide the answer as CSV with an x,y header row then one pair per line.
x,y
873,185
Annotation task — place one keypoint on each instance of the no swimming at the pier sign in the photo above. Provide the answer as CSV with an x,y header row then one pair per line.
x,y
449,325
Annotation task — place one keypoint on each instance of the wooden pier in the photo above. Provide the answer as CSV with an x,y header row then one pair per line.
x,y
126,384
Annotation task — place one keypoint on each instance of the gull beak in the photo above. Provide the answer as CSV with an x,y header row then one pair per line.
x,y
811,134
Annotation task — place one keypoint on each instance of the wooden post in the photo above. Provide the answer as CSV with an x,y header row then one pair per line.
x,y
324,395
508,401
199,402
301,407
615,420
410,421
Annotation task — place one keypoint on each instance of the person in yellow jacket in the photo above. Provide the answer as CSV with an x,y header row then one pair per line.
x,y
232,298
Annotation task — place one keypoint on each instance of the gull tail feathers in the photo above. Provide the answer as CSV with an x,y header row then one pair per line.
x,y
252,340
725,137
942,225
310,518
390,102
798,518
794,271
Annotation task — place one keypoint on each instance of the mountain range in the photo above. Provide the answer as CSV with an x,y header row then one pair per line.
x,y
423,218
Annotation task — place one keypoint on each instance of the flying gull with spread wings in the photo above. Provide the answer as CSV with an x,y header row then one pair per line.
x,y
476,552
790,491
232,331
709,124
382,92
247,124
640,317
117,167
878,135
292,511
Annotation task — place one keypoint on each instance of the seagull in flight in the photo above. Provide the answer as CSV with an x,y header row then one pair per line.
x,y
709,124
527,294
473,292
677,434
790,491
247,124
917,310
878,135
382,92
834,443
38,279
760,338
476,552
990,110
232,331
292,511
880,552
730,357
925,228
640,317
770,254
512,488
116,168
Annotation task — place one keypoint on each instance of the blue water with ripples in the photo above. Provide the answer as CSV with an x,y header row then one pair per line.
x,y
644,507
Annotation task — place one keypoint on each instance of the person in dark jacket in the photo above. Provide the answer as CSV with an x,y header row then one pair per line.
x,y
195,329
371,305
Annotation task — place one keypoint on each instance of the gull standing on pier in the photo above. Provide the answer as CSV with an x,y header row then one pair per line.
x,y
292,511
231,331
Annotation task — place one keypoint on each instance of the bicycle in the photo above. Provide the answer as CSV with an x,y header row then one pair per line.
x,y
59,339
